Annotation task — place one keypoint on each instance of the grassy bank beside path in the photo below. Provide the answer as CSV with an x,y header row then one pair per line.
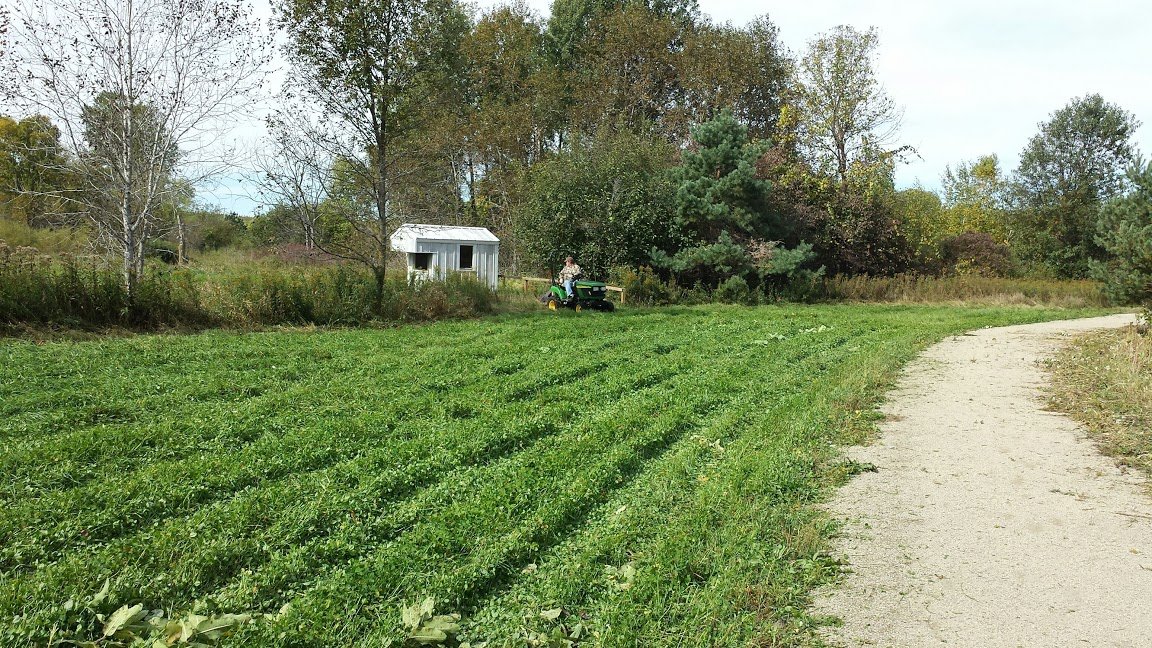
x,y
642,478
1104,380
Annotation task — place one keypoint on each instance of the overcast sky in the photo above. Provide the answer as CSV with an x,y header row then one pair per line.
x,y
974,77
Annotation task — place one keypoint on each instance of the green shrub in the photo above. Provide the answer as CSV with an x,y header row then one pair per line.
x,y
642,287
734,290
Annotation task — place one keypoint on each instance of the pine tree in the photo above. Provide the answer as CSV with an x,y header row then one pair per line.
x,y
1125,232
724,225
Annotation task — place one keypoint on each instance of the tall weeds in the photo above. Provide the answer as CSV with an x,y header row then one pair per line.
x,y
81,293
995,291
1104,380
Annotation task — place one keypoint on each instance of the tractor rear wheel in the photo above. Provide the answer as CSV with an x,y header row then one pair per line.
x,y
607,306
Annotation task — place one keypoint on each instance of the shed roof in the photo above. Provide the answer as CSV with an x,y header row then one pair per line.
x,y
445,233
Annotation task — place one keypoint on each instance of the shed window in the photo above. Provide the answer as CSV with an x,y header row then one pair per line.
x,y
421,260
465,257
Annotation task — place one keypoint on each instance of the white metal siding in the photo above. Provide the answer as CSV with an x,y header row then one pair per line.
x,y
443,243
446,259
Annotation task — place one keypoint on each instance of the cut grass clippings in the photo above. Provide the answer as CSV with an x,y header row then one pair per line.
x,y
1104,380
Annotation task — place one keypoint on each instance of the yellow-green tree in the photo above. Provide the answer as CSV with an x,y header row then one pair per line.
x,y
922,221
974,194
32,169
845,114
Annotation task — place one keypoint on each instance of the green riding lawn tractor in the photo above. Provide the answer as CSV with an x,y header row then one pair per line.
x,y
588,294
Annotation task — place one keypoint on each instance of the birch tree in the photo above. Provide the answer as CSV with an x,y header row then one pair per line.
x,y
845,113
143,92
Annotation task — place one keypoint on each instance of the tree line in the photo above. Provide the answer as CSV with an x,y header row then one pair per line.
x,y
627,133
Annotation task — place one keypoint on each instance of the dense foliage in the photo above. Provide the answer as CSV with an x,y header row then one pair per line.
x,y
1068,170
1125,232
648,477
606,202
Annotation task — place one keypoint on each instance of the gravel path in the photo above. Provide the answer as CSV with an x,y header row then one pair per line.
x,y
990,521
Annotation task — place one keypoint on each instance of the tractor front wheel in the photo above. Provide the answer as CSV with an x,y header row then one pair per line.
x,y
553,304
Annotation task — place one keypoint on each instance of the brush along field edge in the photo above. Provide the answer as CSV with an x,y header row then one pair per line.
x,y
651,475
990,521
1104,380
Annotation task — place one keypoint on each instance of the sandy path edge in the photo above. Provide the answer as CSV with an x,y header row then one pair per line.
x,y
990,521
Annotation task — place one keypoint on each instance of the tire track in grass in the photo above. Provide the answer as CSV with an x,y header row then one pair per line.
x,y
628,387
425,471
172,565
573,571
757,559
445,538
59,522
152,390
93,452
446,358
418,507
265,588
746,579
95,537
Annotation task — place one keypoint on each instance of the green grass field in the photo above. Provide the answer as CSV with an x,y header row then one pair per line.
x,y
647,478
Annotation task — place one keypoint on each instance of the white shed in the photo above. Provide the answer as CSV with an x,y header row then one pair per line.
x,y
434,251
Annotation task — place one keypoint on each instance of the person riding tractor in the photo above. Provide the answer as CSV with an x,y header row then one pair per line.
x,y
569,291
568,275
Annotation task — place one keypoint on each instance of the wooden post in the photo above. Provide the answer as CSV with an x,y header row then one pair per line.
x,y
617,289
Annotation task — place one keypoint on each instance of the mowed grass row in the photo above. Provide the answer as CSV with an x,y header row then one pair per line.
x,y
356,489
651,474
36,528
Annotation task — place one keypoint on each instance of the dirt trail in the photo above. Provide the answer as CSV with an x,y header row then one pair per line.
x,y
990,521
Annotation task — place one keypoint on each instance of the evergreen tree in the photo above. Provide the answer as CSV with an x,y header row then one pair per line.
x,y
723,223
1125,232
